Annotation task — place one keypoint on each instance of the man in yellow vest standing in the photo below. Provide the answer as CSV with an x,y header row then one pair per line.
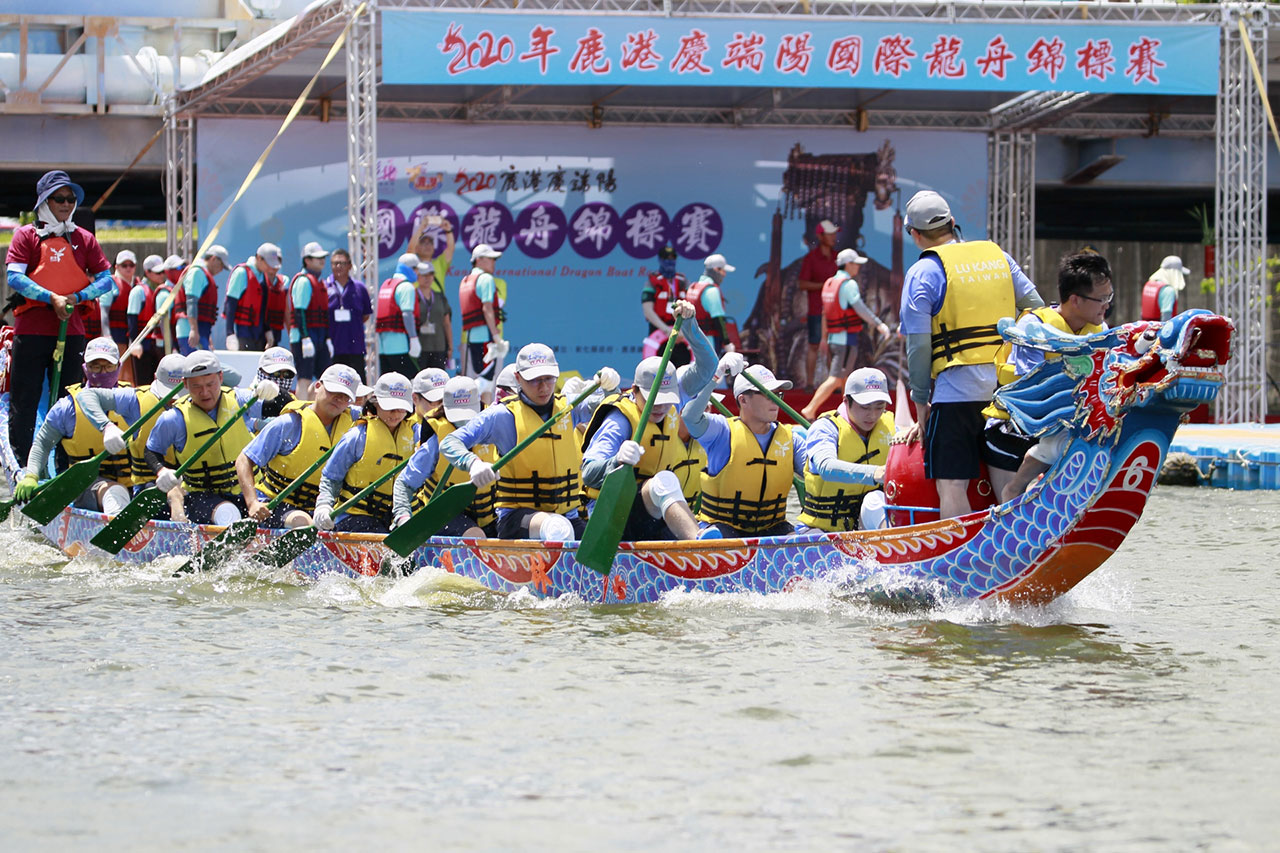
x,y
952,298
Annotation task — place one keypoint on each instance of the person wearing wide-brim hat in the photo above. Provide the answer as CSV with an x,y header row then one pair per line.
x,y
1160,293
54,266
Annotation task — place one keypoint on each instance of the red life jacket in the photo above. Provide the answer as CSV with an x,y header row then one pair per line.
x,y
472,307
207,304
91,317
838,319
158,296
149,305
705,321
118,313
179,308
317,310
388,316
665,293
57,272
1151,300
249,308
277,305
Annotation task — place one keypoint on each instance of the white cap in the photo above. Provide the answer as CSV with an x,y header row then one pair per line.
x,y
202,362
314,250
430,383
507,378
102,348
169,374
927,210
219,252
1173,262
394,391
849,256
866,385
717,262
766,377
174,262
484,250
126,255
668,391
535,361
408,259
461,399
270,254
826,226
276,359
425,268
153,263
341,379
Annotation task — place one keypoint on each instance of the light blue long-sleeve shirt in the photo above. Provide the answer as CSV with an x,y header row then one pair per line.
x,y
24,284
397,343
195,280
171,429
712,432
414,476
821,449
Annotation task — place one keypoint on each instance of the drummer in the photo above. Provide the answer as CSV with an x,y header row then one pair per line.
x,y
845,457
374,445
460,403
290,444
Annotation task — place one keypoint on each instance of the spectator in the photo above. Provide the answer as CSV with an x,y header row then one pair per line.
x,y
248,292
349,309
435,320
309,334
142,306
200,288
817,267
397,319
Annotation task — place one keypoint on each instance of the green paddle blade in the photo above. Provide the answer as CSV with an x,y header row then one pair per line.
x,y
288,547
227,544
131,519
60,492
601,538
429,521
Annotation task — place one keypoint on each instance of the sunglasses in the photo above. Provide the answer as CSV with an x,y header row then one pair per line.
x,y
126,264
62,199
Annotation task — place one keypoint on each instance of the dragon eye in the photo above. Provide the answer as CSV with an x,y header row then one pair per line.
x,y
1144,341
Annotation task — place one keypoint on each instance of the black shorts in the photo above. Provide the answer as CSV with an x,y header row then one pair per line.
x,y
200,505
728,531
514,525
362,524
953,441
476,367
642,527
1005,445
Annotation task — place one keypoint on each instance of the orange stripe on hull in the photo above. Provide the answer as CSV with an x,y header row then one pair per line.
x,y
1069,565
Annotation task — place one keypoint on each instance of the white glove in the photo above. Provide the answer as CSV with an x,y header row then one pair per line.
x,y
308,348
482,474
399,520
451,365
167,480
265,390
323,518
113,439
731,364
135,351
330,345
608,379
496,350
573,386
233,343
630,452
415,347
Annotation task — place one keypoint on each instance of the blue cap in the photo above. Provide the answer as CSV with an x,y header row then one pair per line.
x,y
51,182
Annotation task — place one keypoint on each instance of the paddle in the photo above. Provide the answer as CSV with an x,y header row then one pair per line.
x,y
442,509
59,349
795,478
57,494
229,541
297,541
150,500
600,540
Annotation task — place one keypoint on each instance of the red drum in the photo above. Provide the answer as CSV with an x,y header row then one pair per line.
x,y
905,486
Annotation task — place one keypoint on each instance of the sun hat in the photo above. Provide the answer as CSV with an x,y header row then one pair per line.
x,y
394,391
153,263
314,250
51,182
535,361
202,362
484,250
126,255
103,347
866,385
766,377
219,252
927,210
170,372
1173,262
270,254
174,262
849,256
717,262
276,359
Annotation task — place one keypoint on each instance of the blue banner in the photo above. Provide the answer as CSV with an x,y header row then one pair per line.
x,y
428,47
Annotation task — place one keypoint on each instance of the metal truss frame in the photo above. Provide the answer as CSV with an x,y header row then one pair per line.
x,y
362,144
1011,195
1242,215
179,182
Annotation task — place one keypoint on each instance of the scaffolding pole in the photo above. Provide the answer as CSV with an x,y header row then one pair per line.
x,y
1011,195
362,145
1242,214
179,182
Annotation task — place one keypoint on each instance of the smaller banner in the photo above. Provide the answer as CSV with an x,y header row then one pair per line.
x,y
426,47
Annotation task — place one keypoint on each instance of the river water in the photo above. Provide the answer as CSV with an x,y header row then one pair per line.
x,y
249,711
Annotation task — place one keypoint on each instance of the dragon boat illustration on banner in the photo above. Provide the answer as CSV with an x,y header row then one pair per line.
x,y
1120,394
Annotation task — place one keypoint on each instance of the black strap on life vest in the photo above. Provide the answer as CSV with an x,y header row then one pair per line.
x,y
948,343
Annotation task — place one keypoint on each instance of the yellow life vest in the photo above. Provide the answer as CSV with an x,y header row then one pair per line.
x,y
663,449
215,471
834,506
138,467
382,451
979,293
482,508
691,462
1005,372
750,492
546,475
85,442
315,441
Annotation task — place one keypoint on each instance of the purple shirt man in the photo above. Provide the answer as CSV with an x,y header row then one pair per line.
x,y
349,308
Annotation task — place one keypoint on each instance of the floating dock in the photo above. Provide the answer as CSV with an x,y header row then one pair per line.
x,y
1233,456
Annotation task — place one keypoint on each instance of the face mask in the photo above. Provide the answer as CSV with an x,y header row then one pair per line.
x,y
101,380
667,267
284,379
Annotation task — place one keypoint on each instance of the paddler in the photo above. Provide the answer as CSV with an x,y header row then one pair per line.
x,y
661,459
538,491
460,403
506,385
248,291
54,265
209,486
751,459
428,391
277,365
845,455
309,332
291,443
1085,292
66,424
374,445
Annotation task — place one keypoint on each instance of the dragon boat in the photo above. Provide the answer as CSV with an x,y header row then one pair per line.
x,y
1120,394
